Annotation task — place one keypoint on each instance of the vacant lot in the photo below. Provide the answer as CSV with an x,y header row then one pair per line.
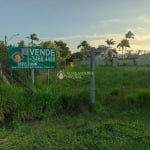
x,y
57,116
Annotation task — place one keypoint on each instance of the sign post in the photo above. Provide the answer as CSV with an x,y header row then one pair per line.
x,y
32,76
32,58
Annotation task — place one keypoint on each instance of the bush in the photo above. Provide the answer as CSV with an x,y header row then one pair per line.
x,y
8,102
139,99
72,102
7,109
115,92
16,104
144,98
37,106
112,97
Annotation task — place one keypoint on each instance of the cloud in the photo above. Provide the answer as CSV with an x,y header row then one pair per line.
x,y
104,37
76,37
110,21
87,36
136,29
142,37
138,25
121,22
143,19
141,42
69,37
138,19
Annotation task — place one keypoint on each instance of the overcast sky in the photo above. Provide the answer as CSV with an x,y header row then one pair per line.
x,y
75,20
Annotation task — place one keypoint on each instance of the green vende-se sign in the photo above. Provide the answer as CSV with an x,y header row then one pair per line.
x,y
32,58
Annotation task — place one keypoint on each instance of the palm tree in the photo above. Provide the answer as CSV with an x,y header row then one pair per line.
x,y
124,43
129,35
110,42
21,43
33,38
85,47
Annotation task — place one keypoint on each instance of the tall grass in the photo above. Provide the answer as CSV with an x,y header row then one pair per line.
x,y
124,87
57,117
16,104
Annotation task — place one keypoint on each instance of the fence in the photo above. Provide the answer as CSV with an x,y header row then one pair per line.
x,y
141,60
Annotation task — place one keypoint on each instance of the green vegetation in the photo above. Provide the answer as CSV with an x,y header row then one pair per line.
x,y
110,42
125,42
85,48
58,117
64,53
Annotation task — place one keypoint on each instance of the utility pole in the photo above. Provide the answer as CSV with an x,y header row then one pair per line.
x,y
5,40
92,84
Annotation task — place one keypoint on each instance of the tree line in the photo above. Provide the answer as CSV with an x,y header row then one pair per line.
x,y
64,54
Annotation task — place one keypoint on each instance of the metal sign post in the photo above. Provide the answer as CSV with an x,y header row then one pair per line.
x,y
32,76
92,84
48,77
32,58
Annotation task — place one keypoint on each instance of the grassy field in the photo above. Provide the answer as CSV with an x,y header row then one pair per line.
x,y
57,116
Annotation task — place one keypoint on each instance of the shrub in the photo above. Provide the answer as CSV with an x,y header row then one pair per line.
x,y
72,102
139,99
112,97
16,104
37,106
8,99
115,92
7,109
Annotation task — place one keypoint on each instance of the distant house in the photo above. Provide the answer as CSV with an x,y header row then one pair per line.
x,y
105,51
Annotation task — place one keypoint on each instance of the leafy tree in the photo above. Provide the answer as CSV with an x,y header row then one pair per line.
x,y
33,38
76,55
21,44
50,44
110,42
85,48
2,44
64,49
3,53
63,52
124,43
